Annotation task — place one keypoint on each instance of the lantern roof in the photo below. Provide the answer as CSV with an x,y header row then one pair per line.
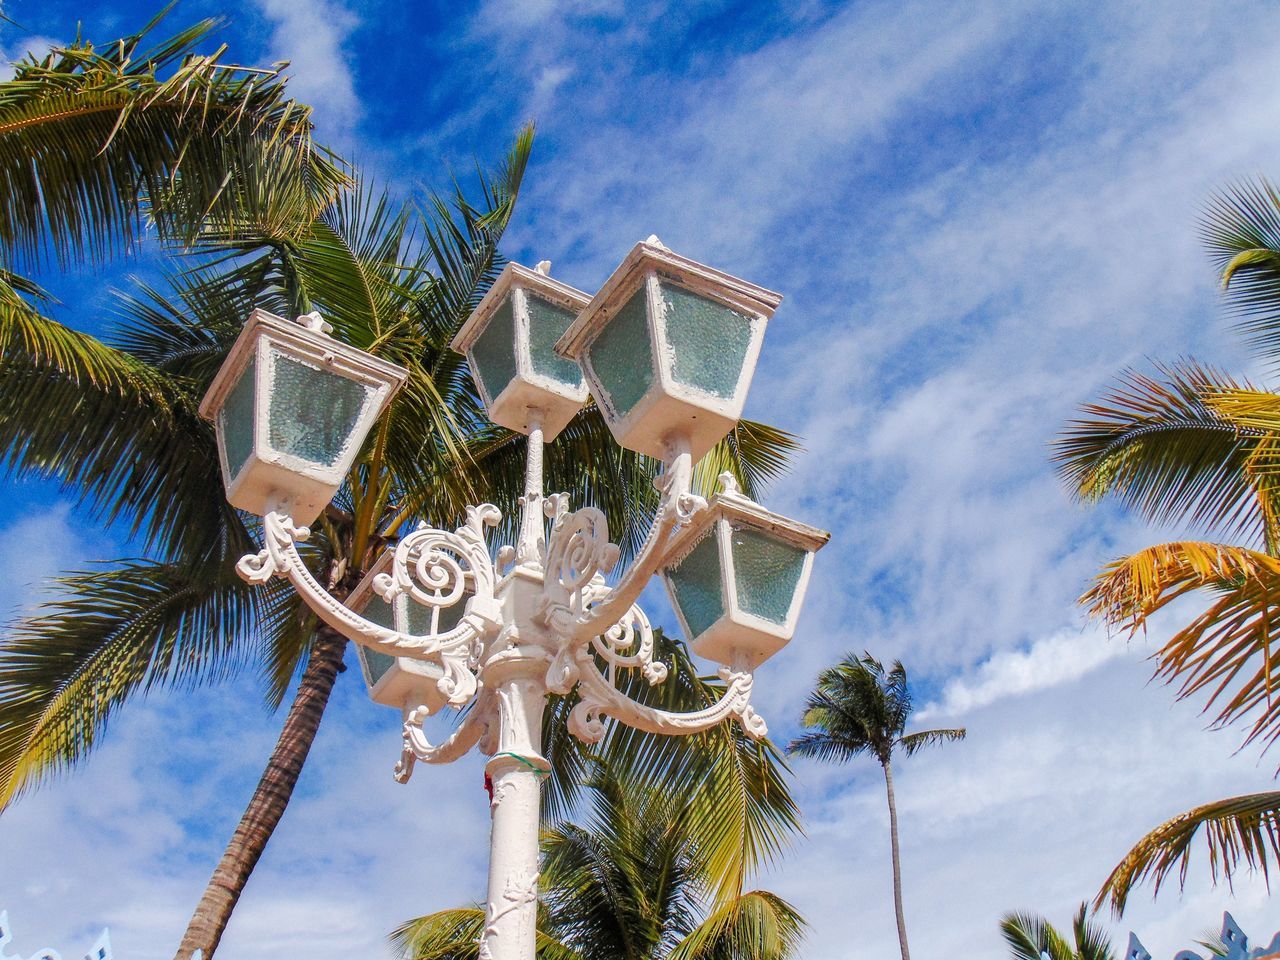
x,y
537,280
650,255
732,505
308,336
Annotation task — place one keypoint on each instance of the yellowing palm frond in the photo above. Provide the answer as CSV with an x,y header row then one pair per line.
x,y
758,925
1239,829
1226,651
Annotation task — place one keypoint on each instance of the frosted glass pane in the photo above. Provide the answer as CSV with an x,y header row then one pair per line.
x,y
622,356
373,662
236,421
697,587
495,353
547,323
420,616
766,573
313,412
708,340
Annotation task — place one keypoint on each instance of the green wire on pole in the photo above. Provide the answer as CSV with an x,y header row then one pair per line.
x,y
532,766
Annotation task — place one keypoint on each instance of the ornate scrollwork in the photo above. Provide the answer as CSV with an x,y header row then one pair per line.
x,y
579,549
475,726
435,567
601,699
629,644
438,569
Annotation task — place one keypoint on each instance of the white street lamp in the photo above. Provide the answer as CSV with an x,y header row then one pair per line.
x,y
668,347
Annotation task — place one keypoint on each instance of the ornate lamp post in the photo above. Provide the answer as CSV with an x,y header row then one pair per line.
x,y
668,347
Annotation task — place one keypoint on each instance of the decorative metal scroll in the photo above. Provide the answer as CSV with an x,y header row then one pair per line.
x,y
437,568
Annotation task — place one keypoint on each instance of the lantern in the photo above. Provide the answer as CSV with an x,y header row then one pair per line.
x,y
291,407
509,341
737,577
669,346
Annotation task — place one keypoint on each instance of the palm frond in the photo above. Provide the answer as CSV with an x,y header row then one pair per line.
x,y
856,707
86,133
1236,830
1092,942
929,738
444,935
455,935
115,432
1030,937
755,926
105,636
1241,228
1162,446
1226,651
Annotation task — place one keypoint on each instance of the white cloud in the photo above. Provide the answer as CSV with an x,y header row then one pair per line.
x,y
1061,658
313,36
34,548
12,52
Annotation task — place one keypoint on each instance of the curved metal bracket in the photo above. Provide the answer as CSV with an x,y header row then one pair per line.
x,y
431,557
600,698
468,733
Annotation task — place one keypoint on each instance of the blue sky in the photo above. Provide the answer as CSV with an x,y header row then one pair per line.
x,y
978,213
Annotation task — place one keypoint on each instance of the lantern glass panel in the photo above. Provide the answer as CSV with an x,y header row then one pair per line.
x,y
708,341
622,355
236,419
313,412
377,663
547,324
495,350
419,616
766,573
698,586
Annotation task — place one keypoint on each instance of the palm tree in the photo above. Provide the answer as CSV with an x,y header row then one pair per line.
x,y
92,137
633,881
115,420
1031,937
1191,445
858,709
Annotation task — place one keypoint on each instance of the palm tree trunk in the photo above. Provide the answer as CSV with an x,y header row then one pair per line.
x,y
269,799
897,862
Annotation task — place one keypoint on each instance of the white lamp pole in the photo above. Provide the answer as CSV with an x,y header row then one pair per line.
x,y
667,347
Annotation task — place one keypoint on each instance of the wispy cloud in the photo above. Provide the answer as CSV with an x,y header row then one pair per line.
x,y
35,547
313,35
14,50
1059,659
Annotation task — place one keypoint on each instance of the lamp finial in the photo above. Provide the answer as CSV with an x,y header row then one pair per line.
x,y
314,322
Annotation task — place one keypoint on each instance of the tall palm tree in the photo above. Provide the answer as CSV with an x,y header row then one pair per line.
x,y
1032,937
116,421
1191,445
858,709
631,881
